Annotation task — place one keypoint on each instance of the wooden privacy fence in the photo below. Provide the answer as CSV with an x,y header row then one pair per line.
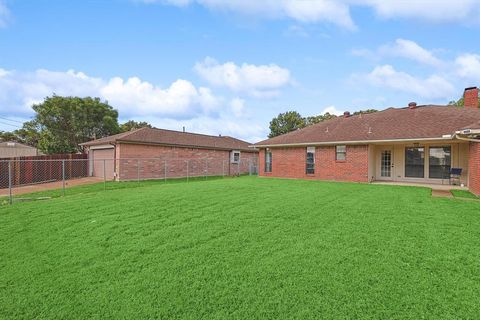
x,y
45,168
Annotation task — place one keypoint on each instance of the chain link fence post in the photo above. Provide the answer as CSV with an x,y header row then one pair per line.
x,y
10,195
104,175
165,171
206,168
63,177
138,170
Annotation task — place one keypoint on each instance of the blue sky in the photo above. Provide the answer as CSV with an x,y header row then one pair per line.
x,y
228,67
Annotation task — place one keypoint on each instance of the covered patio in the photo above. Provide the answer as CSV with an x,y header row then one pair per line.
x,y
420,163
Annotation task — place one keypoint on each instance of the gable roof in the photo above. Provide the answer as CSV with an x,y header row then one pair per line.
x,y
13,144
173,138
422,122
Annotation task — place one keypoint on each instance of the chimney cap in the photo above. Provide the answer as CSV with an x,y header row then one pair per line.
x,y
470,88
346,114
412,105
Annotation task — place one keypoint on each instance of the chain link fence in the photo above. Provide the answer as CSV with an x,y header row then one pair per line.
x,y
22,180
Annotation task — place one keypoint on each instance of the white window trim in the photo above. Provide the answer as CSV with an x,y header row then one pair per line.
x,y
232,156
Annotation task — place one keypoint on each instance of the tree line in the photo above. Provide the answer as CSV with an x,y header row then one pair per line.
x,y
292,120
60,124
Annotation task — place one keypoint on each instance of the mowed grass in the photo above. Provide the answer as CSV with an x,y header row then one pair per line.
x,y
245,248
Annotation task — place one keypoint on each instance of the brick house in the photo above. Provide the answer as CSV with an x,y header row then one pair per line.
x,y
418,144
151,153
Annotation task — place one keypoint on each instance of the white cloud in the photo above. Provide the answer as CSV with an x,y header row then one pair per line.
x,y
410,50
402,48
19,90
338,11
307,11
4,14
332,110
468,66
296,31
432,10
432,87
237,106
258,81
179,104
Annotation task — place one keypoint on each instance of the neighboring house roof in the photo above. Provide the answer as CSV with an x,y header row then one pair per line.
x,y
173,138
12,144
422,122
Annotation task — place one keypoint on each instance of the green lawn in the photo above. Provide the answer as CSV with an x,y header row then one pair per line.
x,y
463,194
245,248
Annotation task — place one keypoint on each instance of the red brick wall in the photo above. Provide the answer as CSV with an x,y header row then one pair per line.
x,y
471,98
474,168
151,161
290,163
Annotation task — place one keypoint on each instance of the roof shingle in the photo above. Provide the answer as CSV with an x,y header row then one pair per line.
x,y
391,124
177,138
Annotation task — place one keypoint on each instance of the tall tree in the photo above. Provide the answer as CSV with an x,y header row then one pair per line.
x,y
286,122
132,124
367,111
316,119
65,122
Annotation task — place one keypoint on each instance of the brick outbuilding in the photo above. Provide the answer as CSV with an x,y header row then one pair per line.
x,y
151,153
416,144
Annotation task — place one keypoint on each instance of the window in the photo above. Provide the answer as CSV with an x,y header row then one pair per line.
x,y
310,168
235,157
341,153
268,161
440,159
415,162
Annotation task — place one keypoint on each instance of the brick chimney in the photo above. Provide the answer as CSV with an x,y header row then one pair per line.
x,y
346,114
412,105
470,97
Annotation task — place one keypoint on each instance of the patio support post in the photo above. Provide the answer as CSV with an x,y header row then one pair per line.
x,y
187,169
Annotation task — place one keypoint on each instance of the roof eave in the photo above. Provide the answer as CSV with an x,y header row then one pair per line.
x,y
353,142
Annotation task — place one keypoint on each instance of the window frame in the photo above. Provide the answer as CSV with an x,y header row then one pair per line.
x,y
310,163
232,158
423,166
267,168
344,153
449,166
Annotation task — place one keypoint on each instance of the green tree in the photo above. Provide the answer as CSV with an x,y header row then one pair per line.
x,y
316,119
460,102
286,122
63,123
132,124
8,136
367,111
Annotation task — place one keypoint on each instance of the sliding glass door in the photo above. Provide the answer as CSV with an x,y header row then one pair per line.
x,y
415,162
440,161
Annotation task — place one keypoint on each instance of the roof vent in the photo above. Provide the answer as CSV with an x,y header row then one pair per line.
x,y
326,130
412,105
369,129
346,114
